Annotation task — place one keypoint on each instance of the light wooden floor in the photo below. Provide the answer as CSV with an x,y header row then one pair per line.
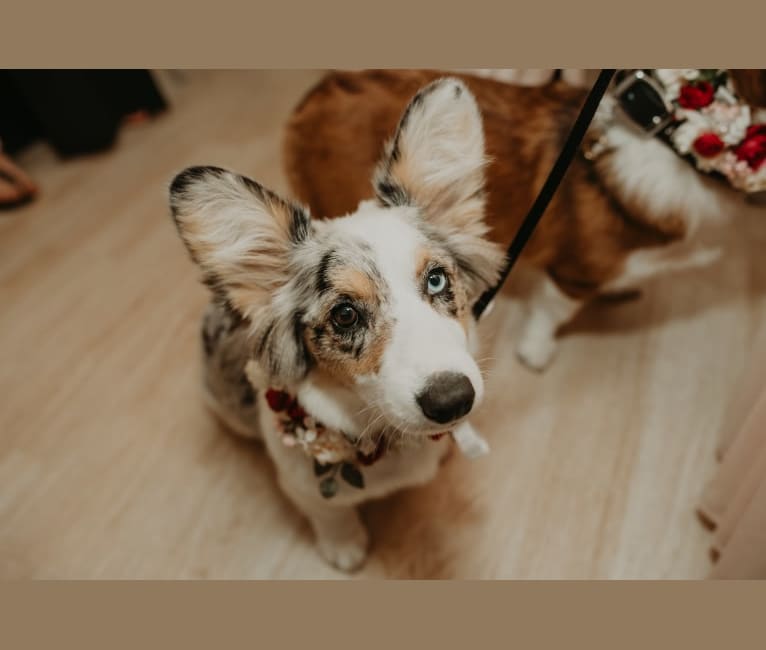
x,y
111,467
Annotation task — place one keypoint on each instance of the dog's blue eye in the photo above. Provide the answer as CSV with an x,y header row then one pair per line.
x,y
437,282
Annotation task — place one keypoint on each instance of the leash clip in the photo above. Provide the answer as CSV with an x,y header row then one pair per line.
x,y
642,101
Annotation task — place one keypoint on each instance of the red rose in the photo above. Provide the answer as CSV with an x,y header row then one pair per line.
x,y
753,150
697,95
755,129
278,400
708,145
295,411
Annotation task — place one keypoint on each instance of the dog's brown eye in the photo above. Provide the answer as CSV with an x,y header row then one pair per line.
x,y
344,315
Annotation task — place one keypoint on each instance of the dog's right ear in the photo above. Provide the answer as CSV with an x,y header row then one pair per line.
x,y
239,233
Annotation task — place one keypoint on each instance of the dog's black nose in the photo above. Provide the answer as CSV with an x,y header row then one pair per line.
x,y
446,397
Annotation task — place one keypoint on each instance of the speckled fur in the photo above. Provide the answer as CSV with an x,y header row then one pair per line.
x,y
226,348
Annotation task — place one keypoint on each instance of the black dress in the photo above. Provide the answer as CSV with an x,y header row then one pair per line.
x,y
76,111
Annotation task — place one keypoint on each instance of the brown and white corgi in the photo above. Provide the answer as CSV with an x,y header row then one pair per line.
x,y
636,210
356,332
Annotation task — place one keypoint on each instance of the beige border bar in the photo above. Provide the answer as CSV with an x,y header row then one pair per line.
x,y
616,615
372,614
585,34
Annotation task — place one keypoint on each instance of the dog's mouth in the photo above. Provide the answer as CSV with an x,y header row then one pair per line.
x,y
420,430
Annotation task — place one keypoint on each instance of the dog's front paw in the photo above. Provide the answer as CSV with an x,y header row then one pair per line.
x,y
346,553
536,351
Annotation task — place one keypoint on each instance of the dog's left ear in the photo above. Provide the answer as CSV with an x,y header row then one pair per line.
x,y
435,162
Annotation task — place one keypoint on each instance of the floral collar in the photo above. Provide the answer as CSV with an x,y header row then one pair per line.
x,y
705,122
334,452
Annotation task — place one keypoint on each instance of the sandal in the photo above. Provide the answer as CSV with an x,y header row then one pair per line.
x,y
16,188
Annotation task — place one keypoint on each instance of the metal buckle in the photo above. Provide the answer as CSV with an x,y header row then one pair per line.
x,y
642,101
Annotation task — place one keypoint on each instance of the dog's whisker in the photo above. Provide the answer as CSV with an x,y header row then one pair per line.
x,y
368,429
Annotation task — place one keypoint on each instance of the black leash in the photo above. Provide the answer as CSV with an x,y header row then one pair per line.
x,y
568,152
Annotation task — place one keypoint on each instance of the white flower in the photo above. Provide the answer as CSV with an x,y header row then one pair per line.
x,y
672,79
725,95
730,122
756,182
327,456
709,164
289,440
738,171
690,75
670,75
684,136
